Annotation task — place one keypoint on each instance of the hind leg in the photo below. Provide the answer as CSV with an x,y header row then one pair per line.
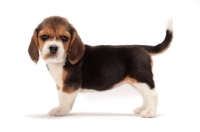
x,y
141,71
142,107
150,100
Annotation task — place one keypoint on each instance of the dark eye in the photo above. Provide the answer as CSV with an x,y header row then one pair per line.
x,y
44,37
64,38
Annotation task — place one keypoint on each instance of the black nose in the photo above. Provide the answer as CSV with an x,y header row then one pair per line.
x,y
53,49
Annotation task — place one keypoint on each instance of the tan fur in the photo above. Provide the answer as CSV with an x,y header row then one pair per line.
x,y
66,88
130,80
126,80
58,88
33,48
46,31
76,47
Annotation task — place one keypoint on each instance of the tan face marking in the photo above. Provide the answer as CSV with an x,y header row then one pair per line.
x,y
60,31
46,31
54,38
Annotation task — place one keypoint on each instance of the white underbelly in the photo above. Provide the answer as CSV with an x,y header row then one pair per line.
x,y
87,91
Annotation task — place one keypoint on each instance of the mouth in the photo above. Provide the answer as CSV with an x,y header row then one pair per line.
x,y
50,56
53,55
53,58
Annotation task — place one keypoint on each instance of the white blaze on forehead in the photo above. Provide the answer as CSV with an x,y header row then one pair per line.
x,y
54,38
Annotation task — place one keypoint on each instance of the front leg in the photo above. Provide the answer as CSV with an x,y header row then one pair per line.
x,y
66,101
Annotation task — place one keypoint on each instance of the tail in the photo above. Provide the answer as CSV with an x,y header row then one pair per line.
x,y
166,42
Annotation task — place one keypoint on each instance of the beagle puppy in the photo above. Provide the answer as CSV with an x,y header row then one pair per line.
x,y
75,66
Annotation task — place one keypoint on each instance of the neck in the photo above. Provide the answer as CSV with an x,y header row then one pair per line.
x,y
56,71
55,64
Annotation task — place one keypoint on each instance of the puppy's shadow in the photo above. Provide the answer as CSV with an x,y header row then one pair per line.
x,y
87,114
82,114
96,114
42,116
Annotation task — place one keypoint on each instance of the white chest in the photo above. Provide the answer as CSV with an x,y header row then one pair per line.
x,y
56,71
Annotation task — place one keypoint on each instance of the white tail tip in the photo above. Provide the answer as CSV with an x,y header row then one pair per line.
x,y
170,25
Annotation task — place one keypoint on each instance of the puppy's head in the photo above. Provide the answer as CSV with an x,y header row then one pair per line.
x,y
56,39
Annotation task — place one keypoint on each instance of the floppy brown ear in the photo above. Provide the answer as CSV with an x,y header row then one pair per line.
x,y
76,48
33,48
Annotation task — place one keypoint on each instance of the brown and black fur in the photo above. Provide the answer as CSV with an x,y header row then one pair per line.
x,y
101,67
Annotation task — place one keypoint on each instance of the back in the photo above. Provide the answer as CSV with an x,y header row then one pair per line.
x,y
101,63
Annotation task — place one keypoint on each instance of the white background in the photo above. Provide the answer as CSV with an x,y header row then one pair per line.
x,y
27,92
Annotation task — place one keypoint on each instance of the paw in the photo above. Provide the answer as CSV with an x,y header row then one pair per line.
x,y
58,111
138,110
148,113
